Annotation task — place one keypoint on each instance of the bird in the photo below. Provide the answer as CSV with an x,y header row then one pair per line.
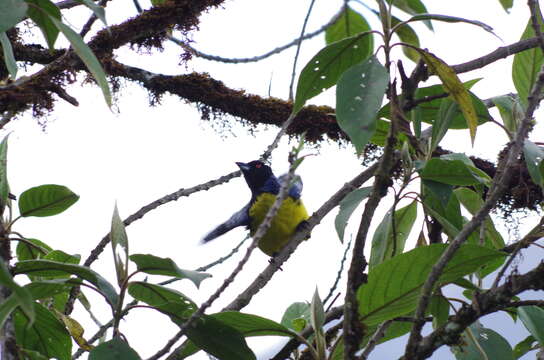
x,y
264,187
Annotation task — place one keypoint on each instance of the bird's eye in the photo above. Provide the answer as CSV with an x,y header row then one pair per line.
x,y
258,165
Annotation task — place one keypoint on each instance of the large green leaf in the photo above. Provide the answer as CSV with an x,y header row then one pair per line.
x,y
41,12
391,234
219,339
119,245
533,319
247,324
11,12
527,64
47,335
48,268
394,286
168,301
46,200
155,265
32,249
87,56
493,345
347,207
524,346
534,159
326,67
452,172
359,96
7,307
115,349
348,24
9,58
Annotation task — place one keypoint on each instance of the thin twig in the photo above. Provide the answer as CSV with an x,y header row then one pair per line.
x,y
275,51
339,274
299,44
380,332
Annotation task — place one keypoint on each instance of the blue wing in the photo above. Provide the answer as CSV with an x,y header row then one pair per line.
x,y
296,189
239,218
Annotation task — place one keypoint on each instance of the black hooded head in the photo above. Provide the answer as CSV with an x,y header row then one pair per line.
x,y
259,177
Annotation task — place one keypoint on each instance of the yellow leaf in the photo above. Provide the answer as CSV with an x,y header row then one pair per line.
x,y
75,330
455,88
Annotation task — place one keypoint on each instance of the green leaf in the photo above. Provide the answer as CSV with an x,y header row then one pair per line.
x,y
428,111
526,64
452,172
87,56
448,110
219,339
41,12
247,324
294,313
454,87
439,308
451,19
119,245
96,9
359,96
26,251
46,200
394,286
389,240
155,265
412,7
47,335
9,58
408,36
473,202
348,24
22,296
7,307
317,312
115,349
511,111
326,67
533,319
534,156
493,345
44,289
4,185
48,268
347,207
507,4
11,12
168,301
524,346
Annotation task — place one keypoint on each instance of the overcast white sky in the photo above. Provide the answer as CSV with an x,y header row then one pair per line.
x,y
137,154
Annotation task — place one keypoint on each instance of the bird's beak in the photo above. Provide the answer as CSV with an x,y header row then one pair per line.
x,y
243,166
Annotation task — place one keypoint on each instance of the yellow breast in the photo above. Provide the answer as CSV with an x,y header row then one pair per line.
x,y
290,215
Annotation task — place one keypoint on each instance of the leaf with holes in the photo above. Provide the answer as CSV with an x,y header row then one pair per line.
x,y
348,24
326,67
359,96
46,200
